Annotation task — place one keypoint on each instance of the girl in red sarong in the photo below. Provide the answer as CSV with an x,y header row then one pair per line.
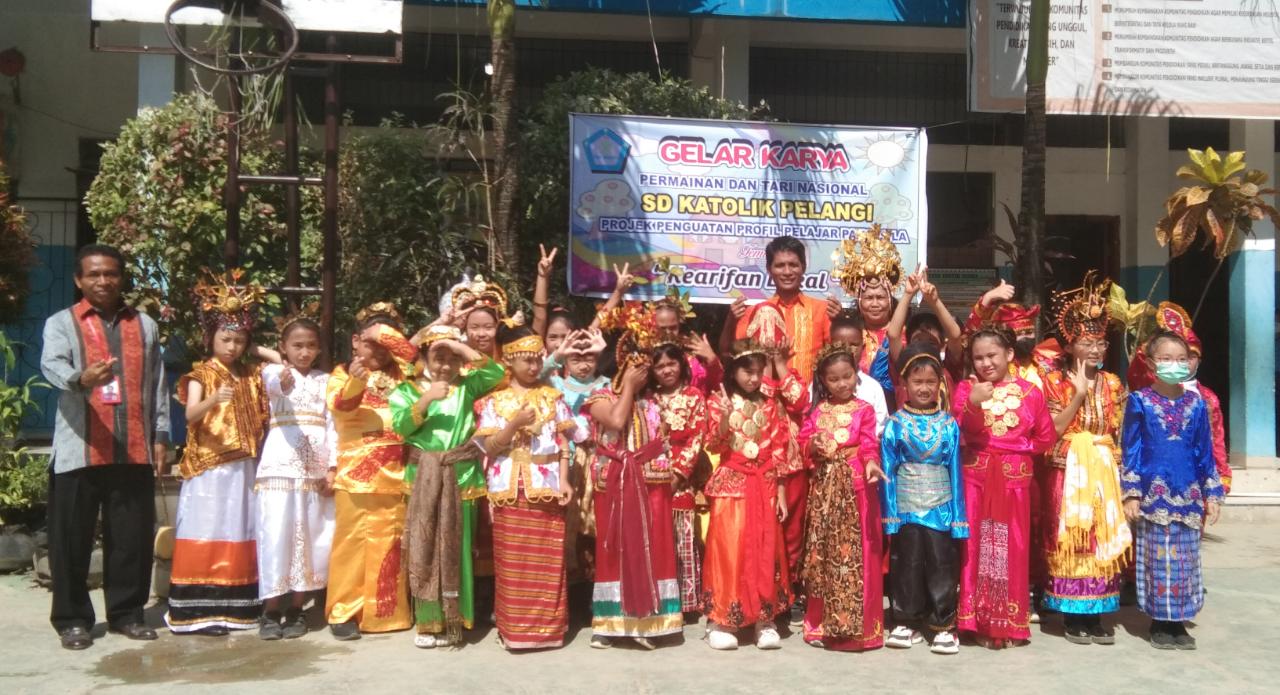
x,y
746,579
1004,424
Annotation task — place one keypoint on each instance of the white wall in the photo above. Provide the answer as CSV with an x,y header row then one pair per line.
x,y
68,91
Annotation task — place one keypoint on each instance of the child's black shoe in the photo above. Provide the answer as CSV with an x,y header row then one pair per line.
x,y
269,627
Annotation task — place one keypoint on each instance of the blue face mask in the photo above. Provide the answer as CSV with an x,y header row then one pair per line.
x,y
1173,373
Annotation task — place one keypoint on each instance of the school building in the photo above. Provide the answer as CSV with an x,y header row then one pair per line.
x,y
872,62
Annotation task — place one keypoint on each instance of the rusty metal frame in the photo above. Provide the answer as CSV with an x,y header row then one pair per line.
x,y
291,178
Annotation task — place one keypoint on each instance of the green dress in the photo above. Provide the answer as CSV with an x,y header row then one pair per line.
x,y
449,423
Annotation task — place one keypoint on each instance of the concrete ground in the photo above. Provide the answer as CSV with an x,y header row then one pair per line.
x,y
1236,633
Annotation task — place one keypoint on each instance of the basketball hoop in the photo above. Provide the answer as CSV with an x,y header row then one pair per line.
x,y
238,14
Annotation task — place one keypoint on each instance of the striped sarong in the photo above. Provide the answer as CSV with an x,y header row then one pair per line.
x,y
531,602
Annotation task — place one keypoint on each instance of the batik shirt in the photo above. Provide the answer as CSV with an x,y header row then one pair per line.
x,y
920,454
1168,457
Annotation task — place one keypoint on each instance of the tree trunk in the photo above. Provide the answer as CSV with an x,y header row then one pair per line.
x,y
1031,223
506,164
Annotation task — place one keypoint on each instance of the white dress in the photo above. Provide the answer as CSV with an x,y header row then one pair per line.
x,y
295,520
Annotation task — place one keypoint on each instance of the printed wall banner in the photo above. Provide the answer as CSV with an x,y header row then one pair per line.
x,y
1206,58
691,204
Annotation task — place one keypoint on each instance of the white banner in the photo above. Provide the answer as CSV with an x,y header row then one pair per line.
x,y
356,16
1204,58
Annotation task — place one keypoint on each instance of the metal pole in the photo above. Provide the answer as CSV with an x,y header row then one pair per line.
x,y
292,196
329,263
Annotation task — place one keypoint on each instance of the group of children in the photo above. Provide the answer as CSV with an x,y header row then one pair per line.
x,y
828,457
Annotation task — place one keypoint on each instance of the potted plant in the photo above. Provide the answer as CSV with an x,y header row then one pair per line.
x,y
24,477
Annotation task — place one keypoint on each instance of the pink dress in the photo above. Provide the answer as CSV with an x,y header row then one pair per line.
x,y
1000,439
843,540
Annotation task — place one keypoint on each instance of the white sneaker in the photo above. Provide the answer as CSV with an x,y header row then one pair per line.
x,y
767,637
945,643
721,639
424,640
902,637
1033,616
601,642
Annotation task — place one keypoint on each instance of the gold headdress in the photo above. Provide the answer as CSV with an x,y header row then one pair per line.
x,y
520,347
638,324
308,312
223,302
479,293
1084,311
747,347
834,349
379,309
869,259
431,335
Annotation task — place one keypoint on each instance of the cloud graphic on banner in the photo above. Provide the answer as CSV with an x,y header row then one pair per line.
x,y
890,205
610,198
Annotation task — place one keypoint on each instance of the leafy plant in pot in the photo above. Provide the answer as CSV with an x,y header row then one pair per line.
x,y
24,477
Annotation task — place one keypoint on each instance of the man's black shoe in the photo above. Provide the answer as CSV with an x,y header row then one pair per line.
x,y
76,638
136,631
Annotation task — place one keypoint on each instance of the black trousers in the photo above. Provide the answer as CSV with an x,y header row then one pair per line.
x,y
124,494
924,572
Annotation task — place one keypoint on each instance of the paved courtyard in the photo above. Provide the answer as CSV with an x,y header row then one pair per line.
x,y
1237,634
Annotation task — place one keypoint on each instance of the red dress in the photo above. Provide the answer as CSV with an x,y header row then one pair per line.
x,y
745,578
1000,440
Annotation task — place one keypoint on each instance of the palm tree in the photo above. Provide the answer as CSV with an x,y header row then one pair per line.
x,y
502,55
1029,236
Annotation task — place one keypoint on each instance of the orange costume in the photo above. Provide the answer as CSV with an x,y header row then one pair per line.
x,y
367,579
805,322
746,576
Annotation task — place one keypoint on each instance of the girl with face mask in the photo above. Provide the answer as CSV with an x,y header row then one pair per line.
x,y
1171,487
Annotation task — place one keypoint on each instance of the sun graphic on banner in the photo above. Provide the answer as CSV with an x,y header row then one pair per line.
x,y
884,153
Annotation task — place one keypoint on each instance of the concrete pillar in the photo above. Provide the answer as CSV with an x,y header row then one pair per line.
x,y
157,73
1149,179
720,57
1252,317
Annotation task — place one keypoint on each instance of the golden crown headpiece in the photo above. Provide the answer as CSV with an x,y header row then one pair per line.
x,y
747,347
836,348
386,309
425,338
869,259
1084,311
479,293
307,312
637,323
224,301
520,347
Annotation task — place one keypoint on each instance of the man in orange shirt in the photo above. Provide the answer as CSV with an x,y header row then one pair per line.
x,y
808,325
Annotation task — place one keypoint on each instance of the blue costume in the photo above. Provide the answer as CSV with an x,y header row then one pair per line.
x,y
924,509
1169,467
